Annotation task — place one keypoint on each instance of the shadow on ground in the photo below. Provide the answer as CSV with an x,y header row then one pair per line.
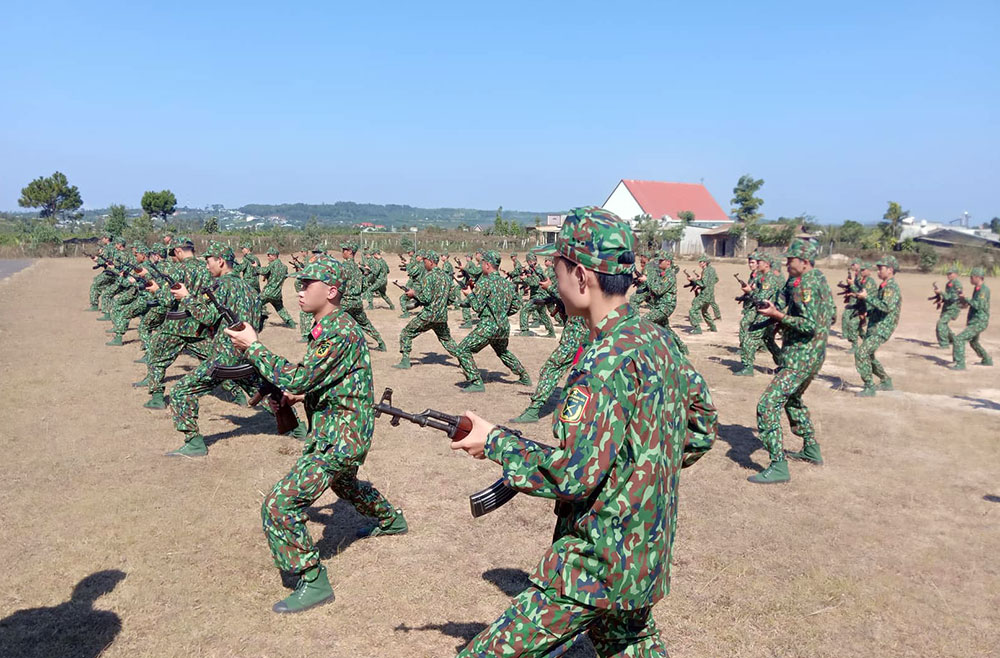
x,y
742,445
980,403
74,629
933,359
990,498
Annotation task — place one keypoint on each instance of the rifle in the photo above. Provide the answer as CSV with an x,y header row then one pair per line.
x,y
174,285
560,308
283,414
845,291
692,283
457,428
296,263
745,297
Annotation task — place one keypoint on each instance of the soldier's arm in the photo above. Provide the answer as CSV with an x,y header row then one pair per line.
x,y
807,323
324,359
980,302
702,416
884,303
590,428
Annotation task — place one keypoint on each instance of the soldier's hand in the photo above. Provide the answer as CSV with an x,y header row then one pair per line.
x,y
180,292
242,339
771,311
153,286
862,294
474,442
745,288
410,293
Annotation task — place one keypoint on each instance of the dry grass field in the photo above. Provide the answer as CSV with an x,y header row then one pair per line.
x,y
890,549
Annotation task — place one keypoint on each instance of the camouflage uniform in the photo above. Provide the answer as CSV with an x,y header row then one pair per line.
x,y
101,280
336,377
473,272
433,295
414,273
249,268
978,320
808,306
883,316
748,312
662,288
641,294
232,292
377,282
534,311
634,406
949,310
705,298
352,303
761,330
574,336
492,301
274,274
856,310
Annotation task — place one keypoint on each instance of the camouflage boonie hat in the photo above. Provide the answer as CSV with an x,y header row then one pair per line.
x,y
273,251
376,250
754,255
596,239
952,270
492,257
856,261
865,265
704,259
889,261
220,250
802,249
120,239
160,250
531,257
775,262
325,270
430,254
977,271
247,245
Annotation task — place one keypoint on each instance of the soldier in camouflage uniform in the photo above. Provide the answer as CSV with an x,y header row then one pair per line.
x,y
803,311
334,380
977,321
235,294
662,285
883,316
949,308
121,261
634,407
473,271
854,308
435,289
492,299
352,303
378,280
765,287
531,279
414,273
646,267
133,301
704,298
101,279
748,312
574,336
274,274
249,268
159,300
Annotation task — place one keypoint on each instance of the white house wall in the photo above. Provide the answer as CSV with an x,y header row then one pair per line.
x,y
622,203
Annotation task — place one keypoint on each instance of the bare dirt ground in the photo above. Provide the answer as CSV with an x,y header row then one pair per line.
x,y
890,549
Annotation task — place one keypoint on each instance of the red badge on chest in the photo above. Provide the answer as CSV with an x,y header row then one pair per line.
x,y
317,330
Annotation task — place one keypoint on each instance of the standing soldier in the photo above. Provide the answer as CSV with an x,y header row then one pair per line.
x,y
274,274
647,267
749,311
803,312
352,304
334,381
883,316
433,295
101,280
249,268
574,336
765,287
532,310
635,406
472,272
492,300
949,307
414,272
854,308
378,280
704,297
978,320
661,282
133,302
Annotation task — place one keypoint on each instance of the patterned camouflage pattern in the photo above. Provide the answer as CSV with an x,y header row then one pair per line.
x,y
883,316
274,274
595,238
435,290
532,311
249,270
805,329
575,334
336,377
377,281
976,322
662,287
949,311
704,300
492,300
760,330
856,310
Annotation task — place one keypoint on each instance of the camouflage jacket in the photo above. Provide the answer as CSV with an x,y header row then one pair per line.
x,y
336,377
275,273
235,294
662,286
949,295
808,306
861,283
248,269
884,307
193,273
354,286
634,404
492,300
764,287
434,292
979,308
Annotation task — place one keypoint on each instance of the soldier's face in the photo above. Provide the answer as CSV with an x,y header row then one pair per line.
x,y
952,276
271,258
884,272
315,295
763,266
753,263
214,265
796,266
428,264
571,280
855,268
977,280
245,251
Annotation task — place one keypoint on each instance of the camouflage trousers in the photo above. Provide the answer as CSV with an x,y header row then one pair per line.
x,y
543,623
699,310
640,297
377,288
121,314
358,313
532,310
661,316
101,281
759,334
969,335
152,320
279,308
943,331
784,392
417,326
864,357
481,336
163,351
555,367
850,325
184,396
283,512
107,298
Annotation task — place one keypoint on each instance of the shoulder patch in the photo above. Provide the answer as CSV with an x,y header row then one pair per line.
x,y
574,406
806,295
324,349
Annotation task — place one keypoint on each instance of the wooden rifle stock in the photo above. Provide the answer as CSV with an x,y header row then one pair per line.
x,y
284,416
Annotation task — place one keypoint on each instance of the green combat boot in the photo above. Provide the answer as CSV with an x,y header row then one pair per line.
x,y
773,474
696,331
551,334
299,432
987,361
526,334
312,590
194,446
746,371
156,402
474,387
143,382
466,325
884,385
529,415
809,453
115,342
141,359
104,318
380,347
957,366
525,380
290,324
404,363
867,392
239,398
94,307
395,526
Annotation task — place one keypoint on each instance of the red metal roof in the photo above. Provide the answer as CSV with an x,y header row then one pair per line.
x,y
658,199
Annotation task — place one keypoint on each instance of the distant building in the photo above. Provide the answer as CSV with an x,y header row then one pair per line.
x,y
663,201
554,220
960,237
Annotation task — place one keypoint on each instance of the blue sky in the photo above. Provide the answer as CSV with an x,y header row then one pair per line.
x,y
839,107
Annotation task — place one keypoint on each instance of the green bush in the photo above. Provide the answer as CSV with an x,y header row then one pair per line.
x,y
928,257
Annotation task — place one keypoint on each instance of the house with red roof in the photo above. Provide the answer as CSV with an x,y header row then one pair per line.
x,y
663,201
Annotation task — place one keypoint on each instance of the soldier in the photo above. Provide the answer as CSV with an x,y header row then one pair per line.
x,y
378,280
472,271
765,287
574,336
883,316
662,285
532,278
634,407
646,267
235,294
102,279
133,301
704,297
949,307
352,304
159,300
274,274
414,272
492,300
976,323
121,260
249,268
854,308
334,380
433,295
803,311
305,319
749,312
